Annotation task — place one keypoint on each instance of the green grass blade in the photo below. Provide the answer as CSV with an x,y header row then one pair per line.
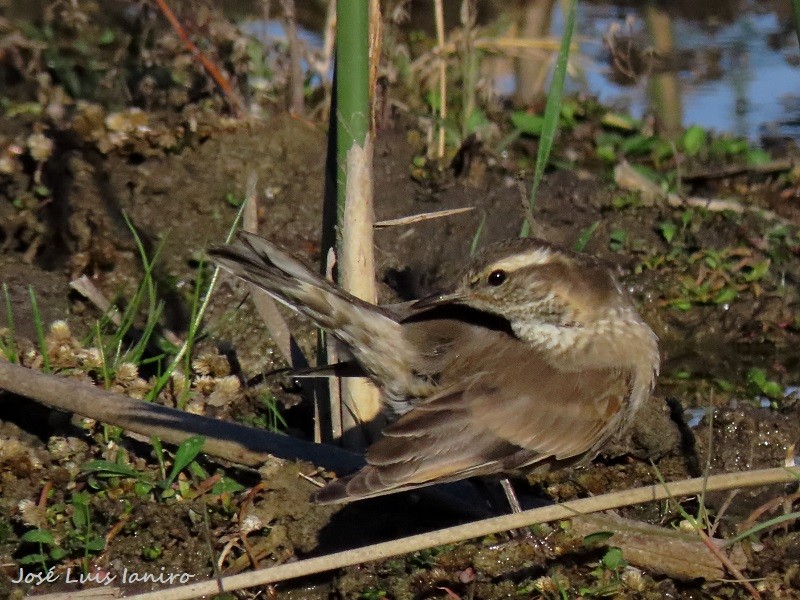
x,y
473,247
9,348
552,113
158,451
761,527
196,318
186,453
37,322
585,236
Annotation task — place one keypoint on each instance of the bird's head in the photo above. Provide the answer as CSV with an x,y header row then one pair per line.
x,y
551,297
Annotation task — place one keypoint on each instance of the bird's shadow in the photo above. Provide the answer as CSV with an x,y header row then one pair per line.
x,y
403,514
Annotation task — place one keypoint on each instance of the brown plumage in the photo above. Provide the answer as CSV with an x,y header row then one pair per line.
x,y
533,361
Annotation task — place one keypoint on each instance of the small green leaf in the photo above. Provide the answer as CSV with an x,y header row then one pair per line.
x,y
773,389
668,229
198,471
757,271
694,139
606,152
107,37
758,379
234,200
585,236
613,558
152,552
33,559
725,295
527,123
724,384
39,536
683,305
434,101
637,144
757,157
599,537
80,510
106,468
187,452
227,485
617,240
476,121
141,489
95,544
620,121
629,199
663,149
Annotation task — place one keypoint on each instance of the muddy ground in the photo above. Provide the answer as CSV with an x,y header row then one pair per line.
x,y
728,329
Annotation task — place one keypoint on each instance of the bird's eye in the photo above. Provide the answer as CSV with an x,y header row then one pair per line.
x,y
496,277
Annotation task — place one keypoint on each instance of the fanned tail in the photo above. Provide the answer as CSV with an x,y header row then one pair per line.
x,y
374,337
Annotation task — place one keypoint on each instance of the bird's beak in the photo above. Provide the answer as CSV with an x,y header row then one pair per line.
x,y
437,300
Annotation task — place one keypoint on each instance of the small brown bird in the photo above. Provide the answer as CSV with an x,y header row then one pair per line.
x,y
533,361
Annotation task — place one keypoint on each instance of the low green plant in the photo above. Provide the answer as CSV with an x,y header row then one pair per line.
x,y
110,339
759,383
184,353
618,240
373,593
81,538
608,574
762,527
183,460
83,534
48,550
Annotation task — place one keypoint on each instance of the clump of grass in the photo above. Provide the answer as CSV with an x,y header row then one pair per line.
x,y
111,348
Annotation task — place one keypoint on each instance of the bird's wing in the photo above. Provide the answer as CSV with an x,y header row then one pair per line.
x,y
483,430
556,414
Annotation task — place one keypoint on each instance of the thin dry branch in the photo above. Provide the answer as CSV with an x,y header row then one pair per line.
x,y
770,168
86,288
233,98
411,219
626,177
671,552
478,529
237,443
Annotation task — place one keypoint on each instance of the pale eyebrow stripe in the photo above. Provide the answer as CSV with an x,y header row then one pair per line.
x,y
539,256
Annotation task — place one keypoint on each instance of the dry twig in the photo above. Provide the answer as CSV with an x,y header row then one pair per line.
x,y
477,529
233,98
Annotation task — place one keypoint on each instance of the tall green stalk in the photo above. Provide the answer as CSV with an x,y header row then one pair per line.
x,y
552,113
352,87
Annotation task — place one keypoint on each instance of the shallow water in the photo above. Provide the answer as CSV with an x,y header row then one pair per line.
x,y
740,76
729,65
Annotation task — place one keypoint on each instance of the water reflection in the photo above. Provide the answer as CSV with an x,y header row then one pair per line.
x,y
728,65
731,66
